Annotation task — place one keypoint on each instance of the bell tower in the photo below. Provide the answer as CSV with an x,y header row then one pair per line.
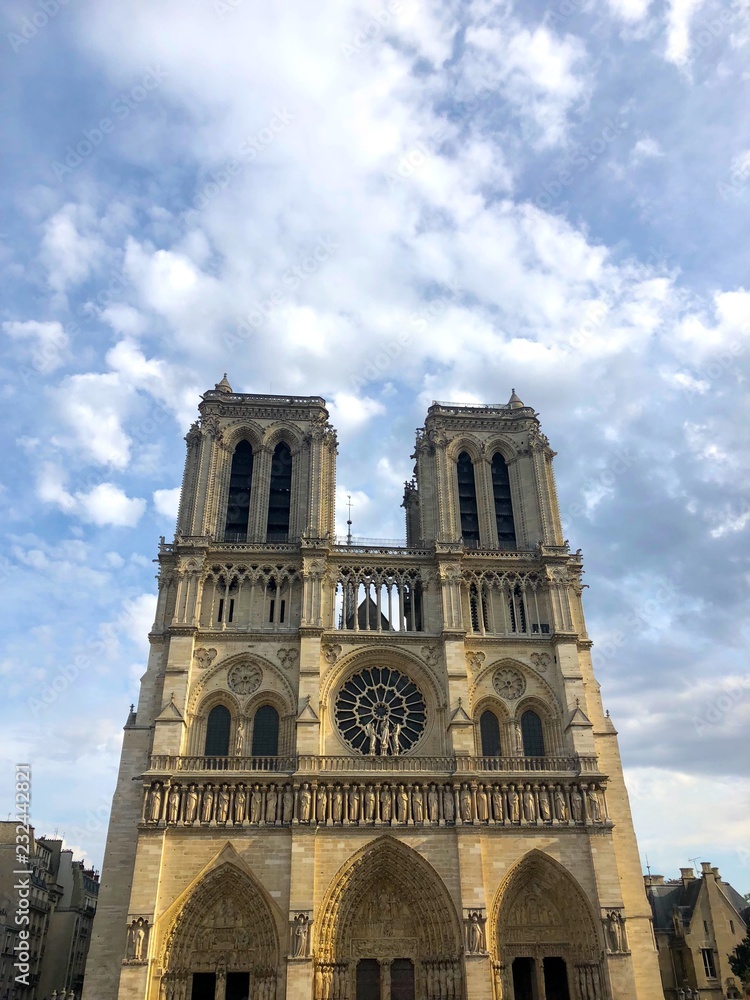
x,y
361,770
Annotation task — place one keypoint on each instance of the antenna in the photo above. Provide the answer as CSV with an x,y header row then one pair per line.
x,y
349,522
692,862
648,866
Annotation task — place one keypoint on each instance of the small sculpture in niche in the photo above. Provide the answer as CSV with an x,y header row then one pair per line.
x,y
300,935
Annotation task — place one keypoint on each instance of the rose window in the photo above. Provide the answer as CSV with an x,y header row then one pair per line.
x,y
244,678
509,683
380,711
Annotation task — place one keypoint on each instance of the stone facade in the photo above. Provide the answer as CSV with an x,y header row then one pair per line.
x,y
369,770
698,923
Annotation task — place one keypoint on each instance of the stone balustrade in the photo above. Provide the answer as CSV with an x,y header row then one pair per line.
x,y
350,764
566,802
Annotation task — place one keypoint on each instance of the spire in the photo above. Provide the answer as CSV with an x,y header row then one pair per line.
x,y
349,521
224,385
514,402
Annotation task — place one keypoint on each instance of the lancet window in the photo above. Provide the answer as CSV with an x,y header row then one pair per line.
x,y
238,502
507,603
218,726
467,499
489,731
506,530
265,732
280,494
532,734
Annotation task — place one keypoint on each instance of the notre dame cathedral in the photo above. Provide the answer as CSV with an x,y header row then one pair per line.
x,y
369,771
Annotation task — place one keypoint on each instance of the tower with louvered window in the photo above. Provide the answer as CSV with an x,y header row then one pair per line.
x,y
369,771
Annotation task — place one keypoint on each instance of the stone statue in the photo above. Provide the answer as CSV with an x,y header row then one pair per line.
x,y
616,931
592,800
385,804
449,811
191,804
301,928
475,934
529,805
433,804
154,802
561,806
402,804
514,806
544,807
483,812
173,804
417,805
222,804
372,736
138,941
369,804
338,804
305,803
287,804
385,737
322,804
239,745
576,804
353,804
464,798
497,804
240,800
256,804
207,808
271,802
396,738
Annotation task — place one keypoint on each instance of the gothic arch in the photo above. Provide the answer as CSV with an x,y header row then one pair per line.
x,y
502,444
283,689
245,430
465,442
540,911
397,659
223,922
387,902
286,432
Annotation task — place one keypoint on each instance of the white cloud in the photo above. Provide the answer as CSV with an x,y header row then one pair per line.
x,y
680,17
103,504
48,345
349,412
167,502
94,406
68,254
630,10
646,148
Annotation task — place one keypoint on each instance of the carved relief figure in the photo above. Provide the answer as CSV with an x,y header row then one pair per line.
x,y
240,741
353,804
338,804
402,804
483,813
271,803
301,930
208,804
544,806
372,737
448,805
529,806
222,804
191,804
576,804
433,804
369,804
173,804
287,804
497,804
240,799
140,937
396,739
475,934
417,805
464,799
322,803
385,804
305,802
154,803
561,806
514,805
594,804
256,804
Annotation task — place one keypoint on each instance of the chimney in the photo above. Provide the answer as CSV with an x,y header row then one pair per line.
x,y
717,876
687,874
706,868
653,879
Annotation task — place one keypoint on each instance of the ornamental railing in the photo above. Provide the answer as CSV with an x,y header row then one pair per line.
x,y
327,764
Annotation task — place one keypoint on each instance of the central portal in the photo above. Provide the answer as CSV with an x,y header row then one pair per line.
x,y
372,986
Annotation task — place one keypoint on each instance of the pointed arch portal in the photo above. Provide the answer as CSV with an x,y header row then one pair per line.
x,y
223,945
388,928
545,943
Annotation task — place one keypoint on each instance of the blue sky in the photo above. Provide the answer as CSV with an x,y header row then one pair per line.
x,y
383,204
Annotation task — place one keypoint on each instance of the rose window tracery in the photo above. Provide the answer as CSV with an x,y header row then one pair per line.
x,y
244,678
380,711
509,683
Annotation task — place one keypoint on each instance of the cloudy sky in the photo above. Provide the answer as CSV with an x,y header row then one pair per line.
x,y
383,203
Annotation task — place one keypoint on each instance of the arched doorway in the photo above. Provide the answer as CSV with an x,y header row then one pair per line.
x,y
545,940
223,943
388,930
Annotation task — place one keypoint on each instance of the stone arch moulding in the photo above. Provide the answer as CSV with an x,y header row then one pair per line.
x,y
269,670
500,443
388,899
531,676
286,432
464,442
223,920
540,910
398,659
246,430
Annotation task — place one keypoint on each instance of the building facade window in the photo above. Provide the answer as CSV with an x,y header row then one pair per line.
x,y
266,732
708,963
217,732
238,502
489,730
467,499
280,494
506,529
532,734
